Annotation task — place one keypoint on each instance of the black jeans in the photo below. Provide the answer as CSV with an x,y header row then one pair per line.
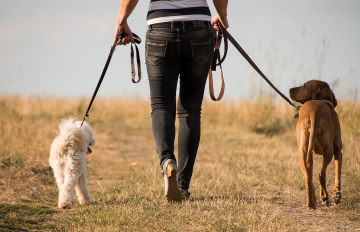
x,y
173,49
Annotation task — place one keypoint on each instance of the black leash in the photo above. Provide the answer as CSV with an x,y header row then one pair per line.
x,y
227,36
112,50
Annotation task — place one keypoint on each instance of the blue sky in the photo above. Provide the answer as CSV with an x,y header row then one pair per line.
x,y
59,48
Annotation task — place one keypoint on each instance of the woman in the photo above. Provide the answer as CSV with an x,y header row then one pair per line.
x,y
179,45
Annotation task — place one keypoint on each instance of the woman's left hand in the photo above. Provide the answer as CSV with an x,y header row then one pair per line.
x,y
124,27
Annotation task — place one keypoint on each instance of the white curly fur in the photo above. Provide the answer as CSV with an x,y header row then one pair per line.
x,y
68,161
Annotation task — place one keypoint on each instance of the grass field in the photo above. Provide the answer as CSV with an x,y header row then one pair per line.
x,y
246,176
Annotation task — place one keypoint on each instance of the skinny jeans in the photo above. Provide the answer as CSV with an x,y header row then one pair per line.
x,y
178,52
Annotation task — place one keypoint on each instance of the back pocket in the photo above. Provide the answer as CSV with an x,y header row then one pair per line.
x,y
155,51
200,50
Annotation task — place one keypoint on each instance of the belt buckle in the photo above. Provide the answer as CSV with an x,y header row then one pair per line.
x,y
198,24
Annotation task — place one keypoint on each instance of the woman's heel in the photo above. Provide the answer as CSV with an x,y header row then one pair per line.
x,y
172,192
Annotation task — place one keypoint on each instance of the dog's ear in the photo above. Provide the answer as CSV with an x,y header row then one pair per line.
x,y
328,94
76,138
315,90
334,101
322,91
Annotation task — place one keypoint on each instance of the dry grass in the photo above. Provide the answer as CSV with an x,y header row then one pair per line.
x,y
246,176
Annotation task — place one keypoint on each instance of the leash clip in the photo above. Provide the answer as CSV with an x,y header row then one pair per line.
x,y
86,118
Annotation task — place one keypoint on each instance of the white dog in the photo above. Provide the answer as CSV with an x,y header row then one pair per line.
x,y
67,159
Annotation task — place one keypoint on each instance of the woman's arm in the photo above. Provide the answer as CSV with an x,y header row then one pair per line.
x,y
221,8
126,7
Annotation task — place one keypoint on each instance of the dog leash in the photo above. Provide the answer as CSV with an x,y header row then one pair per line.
x,y
216,57
225,35
121,35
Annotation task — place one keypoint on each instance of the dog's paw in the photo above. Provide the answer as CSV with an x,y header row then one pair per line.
x,y
336,196
311,207
86,201
65,205
325,201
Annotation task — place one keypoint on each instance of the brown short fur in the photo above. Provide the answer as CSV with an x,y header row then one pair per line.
x,y
318,130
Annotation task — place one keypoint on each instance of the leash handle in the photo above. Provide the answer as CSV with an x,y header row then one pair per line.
x,y
216,57
211,86
137,40
122,35
133,74
218,36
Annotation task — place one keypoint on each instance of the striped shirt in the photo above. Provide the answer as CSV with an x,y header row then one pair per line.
x,y
161,11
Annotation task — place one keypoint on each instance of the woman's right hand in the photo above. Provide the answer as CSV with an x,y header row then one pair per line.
x,y
217,19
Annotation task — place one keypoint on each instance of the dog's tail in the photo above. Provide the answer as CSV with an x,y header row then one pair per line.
x,y
312,137
73,135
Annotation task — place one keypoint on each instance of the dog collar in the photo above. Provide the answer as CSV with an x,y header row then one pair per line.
x,y
328,102
325,101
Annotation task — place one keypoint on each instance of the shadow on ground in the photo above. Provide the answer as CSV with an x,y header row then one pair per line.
x,y
23,217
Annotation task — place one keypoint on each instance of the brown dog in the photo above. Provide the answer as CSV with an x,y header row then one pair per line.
x,y
318,130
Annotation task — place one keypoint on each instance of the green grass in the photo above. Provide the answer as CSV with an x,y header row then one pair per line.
x,y
24,217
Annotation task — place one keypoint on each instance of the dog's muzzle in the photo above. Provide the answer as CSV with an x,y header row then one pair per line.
x,y
89,150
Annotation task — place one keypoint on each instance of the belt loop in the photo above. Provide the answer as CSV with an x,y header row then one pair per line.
x,y
184,26
172,26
